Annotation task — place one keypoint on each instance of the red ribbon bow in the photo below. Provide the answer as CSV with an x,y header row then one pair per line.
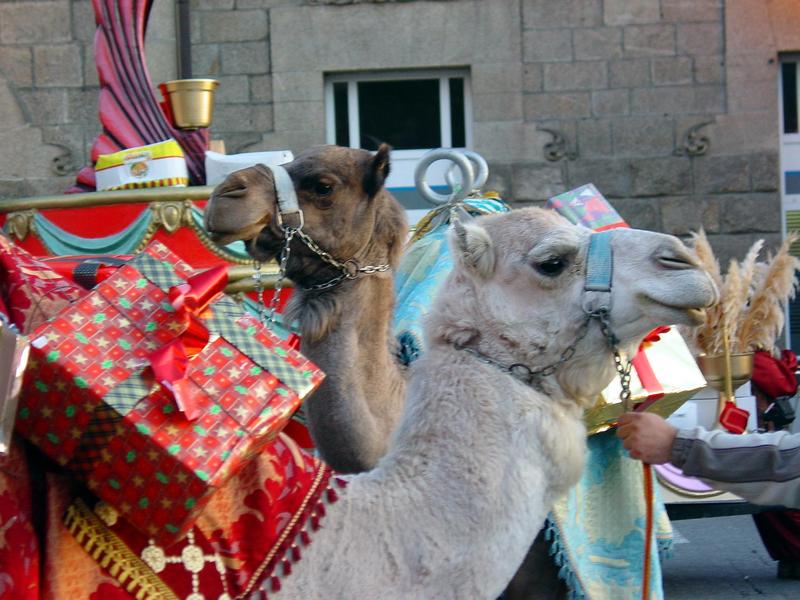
x,y
170,362
645,370
653,336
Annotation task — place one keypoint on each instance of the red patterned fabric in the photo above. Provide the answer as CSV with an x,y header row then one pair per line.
x,y
254,529
30,290
775,376
19,548
29,294
780,532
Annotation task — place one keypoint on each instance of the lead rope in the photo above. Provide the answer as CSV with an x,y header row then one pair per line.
x,y
624,371
648,529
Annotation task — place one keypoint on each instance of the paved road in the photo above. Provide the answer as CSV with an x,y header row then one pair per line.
x,y
722,558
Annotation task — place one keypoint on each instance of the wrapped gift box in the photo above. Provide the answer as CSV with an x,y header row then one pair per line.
x,y
664,374
92,402
586,206
156,165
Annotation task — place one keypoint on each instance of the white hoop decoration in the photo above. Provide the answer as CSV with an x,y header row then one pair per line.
x,y
460,160
481,176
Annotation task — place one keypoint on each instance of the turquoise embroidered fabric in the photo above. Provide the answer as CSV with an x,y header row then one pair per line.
x,y
423,269
597,532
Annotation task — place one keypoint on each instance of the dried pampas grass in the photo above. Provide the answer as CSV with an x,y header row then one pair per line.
x,y
753,298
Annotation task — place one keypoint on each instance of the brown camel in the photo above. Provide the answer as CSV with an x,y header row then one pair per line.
x,y
345,328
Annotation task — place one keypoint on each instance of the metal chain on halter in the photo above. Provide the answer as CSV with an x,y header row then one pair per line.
x,y
524,373
533,377
267,313
350,268
623,370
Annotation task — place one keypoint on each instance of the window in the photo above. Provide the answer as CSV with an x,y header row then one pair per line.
x,y
412,111
790,168
408,110
789,96
790,129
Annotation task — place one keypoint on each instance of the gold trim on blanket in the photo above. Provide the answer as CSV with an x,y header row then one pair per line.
x,y
113,554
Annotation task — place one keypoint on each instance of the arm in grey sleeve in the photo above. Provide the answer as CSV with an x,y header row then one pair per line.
x,y
762,468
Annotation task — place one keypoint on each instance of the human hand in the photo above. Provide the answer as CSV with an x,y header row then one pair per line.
x,y
646,436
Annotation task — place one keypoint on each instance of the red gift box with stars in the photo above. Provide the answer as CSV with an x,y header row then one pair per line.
x,y
96,398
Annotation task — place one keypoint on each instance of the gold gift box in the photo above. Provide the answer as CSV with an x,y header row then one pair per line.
x,y
677,372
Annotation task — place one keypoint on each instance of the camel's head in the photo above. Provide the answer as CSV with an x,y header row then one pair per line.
x,y
346,211
517,294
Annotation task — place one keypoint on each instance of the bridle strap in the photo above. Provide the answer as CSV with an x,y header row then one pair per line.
x,y
599,273
289,214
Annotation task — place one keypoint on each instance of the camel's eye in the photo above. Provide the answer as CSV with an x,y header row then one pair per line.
x,y
551,267
322,188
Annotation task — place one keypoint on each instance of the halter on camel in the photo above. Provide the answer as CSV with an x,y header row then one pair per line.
x,y
290,220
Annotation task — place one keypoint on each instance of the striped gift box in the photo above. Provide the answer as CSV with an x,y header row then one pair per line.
x,y
157,165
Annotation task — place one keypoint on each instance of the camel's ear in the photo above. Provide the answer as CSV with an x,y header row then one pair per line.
x,y
377,171
472,248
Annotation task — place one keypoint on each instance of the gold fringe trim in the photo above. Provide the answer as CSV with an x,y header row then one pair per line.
x,y
113,554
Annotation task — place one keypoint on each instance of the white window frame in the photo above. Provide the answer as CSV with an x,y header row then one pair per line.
x,y
353,78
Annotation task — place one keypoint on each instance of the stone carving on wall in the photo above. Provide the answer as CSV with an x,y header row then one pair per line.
x,y
64,163
694,143
558,147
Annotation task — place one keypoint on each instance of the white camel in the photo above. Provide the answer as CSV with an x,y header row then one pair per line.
x,y
482,450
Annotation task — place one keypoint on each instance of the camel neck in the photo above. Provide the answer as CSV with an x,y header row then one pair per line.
x,y
477,460
355,410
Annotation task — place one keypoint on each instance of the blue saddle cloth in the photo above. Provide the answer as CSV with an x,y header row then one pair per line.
x,y
423,269
597,532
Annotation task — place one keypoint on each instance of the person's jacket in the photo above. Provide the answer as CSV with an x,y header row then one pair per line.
x,y
763,468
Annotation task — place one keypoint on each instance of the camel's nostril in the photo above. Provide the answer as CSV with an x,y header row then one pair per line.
x,y
237,191
675,262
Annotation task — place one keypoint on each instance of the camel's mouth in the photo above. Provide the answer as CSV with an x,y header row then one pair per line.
x,y
248,233
680,314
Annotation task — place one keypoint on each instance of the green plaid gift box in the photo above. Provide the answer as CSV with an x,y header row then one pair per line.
x,y
91,403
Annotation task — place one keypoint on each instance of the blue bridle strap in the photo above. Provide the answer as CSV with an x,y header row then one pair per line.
x,y
599,273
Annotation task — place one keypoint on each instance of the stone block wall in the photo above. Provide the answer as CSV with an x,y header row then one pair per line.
x,y
49,86
668,106
637,89
632,95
